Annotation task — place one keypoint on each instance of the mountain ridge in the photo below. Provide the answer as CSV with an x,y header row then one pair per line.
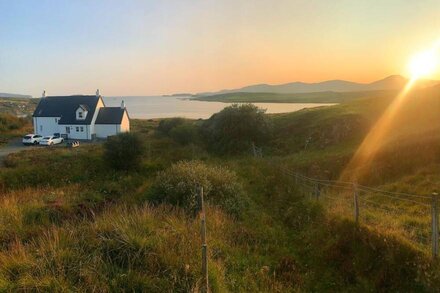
x,y
335,85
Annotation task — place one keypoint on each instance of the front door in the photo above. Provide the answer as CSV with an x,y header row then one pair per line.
x,y
67,130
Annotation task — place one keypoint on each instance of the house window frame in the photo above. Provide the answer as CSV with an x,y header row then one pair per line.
x,y
77,128
80,114
81,128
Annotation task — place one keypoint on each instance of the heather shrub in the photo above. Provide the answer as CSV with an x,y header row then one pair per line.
x,y
166,125
180,185
124,151
184,134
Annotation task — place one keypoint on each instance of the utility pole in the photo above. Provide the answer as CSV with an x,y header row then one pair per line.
x,y
205,279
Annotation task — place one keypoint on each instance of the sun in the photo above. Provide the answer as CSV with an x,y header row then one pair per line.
x,y
423,64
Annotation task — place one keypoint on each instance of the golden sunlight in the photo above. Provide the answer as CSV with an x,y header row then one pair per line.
x,y
423,64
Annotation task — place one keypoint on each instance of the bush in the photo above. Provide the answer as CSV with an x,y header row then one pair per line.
x,y
235,128
179,185
166,125
9,122
184,133
124,151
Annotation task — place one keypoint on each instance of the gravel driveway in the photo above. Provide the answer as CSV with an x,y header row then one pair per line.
x,y
14,146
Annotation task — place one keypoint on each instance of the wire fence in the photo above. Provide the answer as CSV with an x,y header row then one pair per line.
x,y
413,217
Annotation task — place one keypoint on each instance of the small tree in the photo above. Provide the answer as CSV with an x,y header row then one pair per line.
x,y
235,128
124,151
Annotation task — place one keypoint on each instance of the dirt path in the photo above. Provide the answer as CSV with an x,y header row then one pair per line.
x,y
13,146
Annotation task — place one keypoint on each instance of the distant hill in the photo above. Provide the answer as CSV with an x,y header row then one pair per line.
x,y
314,97
8,95
392,82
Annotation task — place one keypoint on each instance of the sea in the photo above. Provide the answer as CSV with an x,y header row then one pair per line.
x,y
150,107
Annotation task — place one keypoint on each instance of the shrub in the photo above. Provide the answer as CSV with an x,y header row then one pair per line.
x,y
235,128
179,185
166,125
184,134
124,151
10,122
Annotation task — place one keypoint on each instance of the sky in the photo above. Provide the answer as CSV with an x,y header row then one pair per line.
x,y
161,47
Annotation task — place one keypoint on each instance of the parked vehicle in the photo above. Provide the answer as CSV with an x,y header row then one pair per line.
x,y
51,140
32,139
73,144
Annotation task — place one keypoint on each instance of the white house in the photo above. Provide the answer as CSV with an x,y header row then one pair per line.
x,y
79,117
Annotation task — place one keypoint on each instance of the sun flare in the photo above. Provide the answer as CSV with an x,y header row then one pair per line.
x,y
423,64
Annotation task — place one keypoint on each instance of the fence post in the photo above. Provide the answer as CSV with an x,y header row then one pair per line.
x,y
356,203
205,280
254,150
434,224
317,191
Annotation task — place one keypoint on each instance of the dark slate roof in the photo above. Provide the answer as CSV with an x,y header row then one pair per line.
x,y
110,115
65,107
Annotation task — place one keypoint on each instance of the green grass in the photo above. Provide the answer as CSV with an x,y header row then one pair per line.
x,y
69,222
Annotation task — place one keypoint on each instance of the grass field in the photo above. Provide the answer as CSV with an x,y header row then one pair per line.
x,y
69,222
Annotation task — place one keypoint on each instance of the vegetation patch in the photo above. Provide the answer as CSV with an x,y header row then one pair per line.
x,y
180,186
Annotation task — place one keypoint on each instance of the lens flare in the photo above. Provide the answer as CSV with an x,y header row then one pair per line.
x,y
423,64
360,163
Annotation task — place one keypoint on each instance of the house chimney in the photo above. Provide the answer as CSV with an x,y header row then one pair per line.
x,y
122,104
97,92
44,94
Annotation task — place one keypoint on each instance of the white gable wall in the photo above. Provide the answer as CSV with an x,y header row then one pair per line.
x,y
99,105
125,123
46,125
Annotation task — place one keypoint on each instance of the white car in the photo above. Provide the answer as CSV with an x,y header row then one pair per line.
x,y
31,139
51,140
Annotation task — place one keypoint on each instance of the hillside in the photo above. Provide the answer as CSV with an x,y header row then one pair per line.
x,y
89,226
315,97
18,106
393,82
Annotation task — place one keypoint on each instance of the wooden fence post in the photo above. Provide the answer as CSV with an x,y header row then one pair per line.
x,y
356,203
205,279
317,191
434,224
254,150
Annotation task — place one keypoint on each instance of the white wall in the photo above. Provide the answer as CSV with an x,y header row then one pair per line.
x,y
125,123
74,133
104,130
99,105
46,125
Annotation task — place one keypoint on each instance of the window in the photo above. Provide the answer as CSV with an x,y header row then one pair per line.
x,y
56,120
77,129
67,129
82,129
80,114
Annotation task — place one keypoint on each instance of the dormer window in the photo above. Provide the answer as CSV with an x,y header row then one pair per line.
x,y
81,112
